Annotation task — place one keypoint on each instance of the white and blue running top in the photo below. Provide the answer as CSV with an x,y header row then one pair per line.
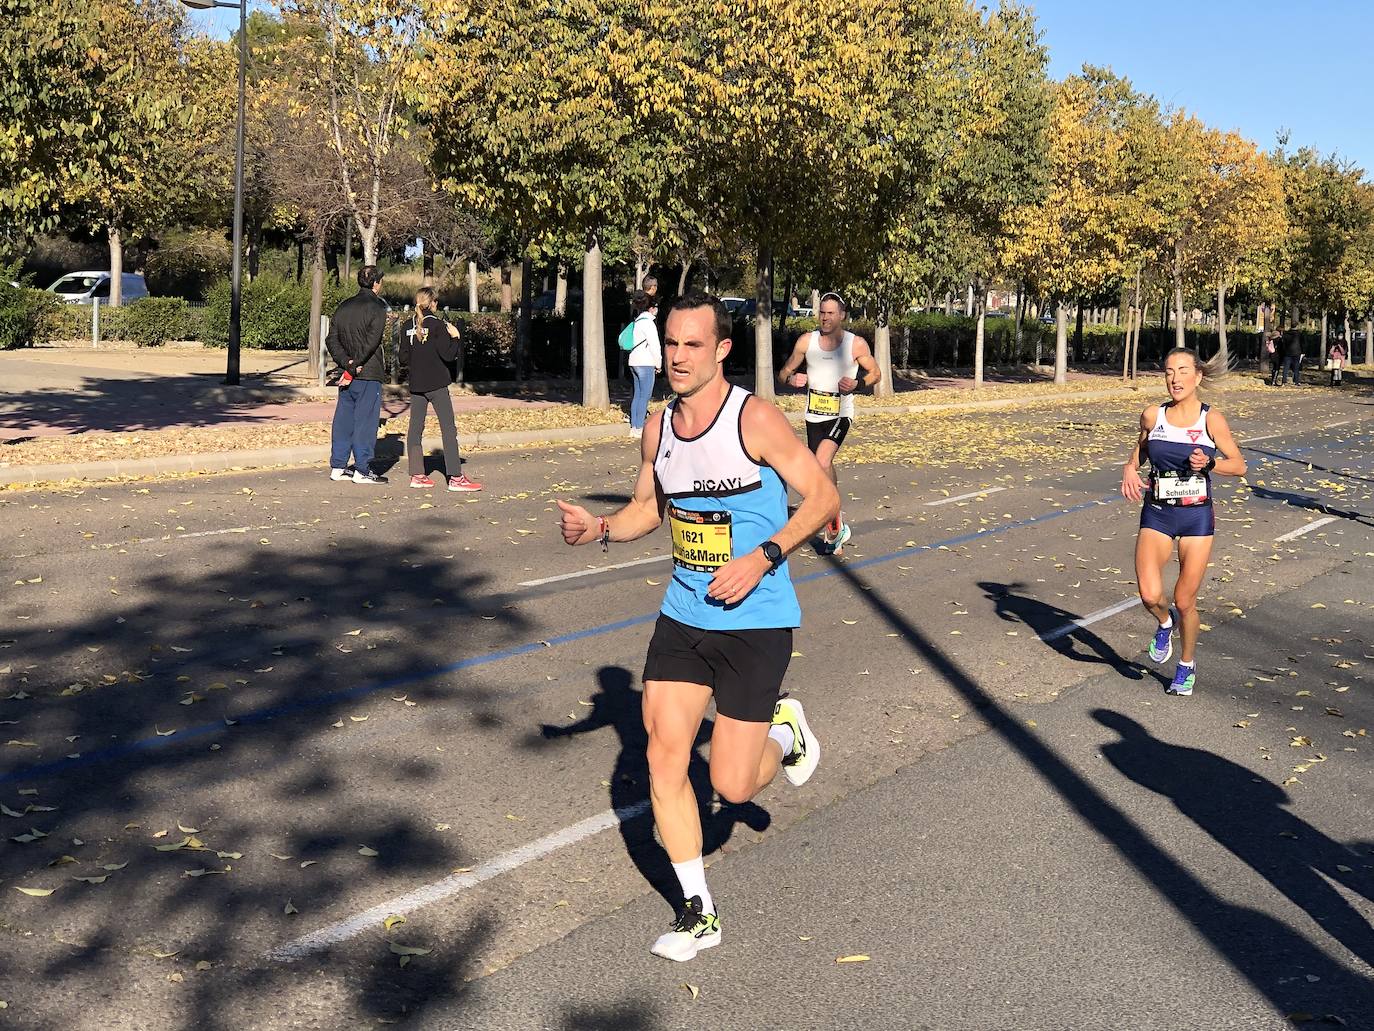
x,y
721,504
1168,448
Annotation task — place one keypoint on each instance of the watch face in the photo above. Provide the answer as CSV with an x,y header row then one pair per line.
x,y
772,552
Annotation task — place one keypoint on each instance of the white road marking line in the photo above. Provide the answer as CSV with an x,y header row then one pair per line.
x,y
1291,534
592,572
454,884
202,533
1092,617
965,497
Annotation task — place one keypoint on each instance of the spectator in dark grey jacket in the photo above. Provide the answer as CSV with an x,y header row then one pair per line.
x,y
355,343
1292,356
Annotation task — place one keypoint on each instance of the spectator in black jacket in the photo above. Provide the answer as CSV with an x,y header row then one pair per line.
x,y
1292,356
429,346
355,343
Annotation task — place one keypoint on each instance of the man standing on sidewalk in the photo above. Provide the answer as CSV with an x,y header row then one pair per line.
x,y
355,343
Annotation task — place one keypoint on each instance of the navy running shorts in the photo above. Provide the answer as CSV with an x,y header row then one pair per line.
x,y
1176,521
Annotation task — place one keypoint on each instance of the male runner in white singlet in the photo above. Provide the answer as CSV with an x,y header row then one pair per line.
x,y
833,359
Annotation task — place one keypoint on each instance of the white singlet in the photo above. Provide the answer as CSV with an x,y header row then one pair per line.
x,y
824,370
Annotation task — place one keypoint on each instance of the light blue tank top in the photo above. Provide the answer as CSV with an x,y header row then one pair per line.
x,y
721,504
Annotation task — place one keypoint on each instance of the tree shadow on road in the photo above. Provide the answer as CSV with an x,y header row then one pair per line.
x,y
617,705
1272,956
1245,814
267,712
1048,622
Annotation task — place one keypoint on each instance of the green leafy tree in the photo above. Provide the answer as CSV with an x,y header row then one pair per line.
x,y
569,119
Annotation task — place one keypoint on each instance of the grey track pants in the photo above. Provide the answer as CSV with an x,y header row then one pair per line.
x,y
415,448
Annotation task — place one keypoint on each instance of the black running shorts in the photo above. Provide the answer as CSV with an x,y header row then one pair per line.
x,y
744,668
831,429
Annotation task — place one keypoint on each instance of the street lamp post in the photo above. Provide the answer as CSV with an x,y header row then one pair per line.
x,y
231,373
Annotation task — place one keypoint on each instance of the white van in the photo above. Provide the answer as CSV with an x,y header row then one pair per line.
x,y
85,287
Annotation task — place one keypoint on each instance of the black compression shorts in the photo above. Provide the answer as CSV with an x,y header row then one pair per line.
x,y
831,429
744,668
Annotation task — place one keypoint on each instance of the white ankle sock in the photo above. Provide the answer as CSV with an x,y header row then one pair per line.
x,y
783,735
692,876
1190,665
1167,623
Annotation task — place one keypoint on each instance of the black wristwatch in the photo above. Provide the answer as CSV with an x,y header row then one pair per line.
x,y
1211,464
772,551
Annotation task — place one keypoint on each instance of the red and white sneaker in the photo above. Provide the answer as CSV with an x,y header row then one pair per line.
x,y
421,481
457,483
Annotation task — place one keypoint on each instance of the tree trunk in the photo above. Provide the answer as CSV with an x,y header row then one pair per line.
x,y
560,290
980,306
968,302
641,270
472,287
1135,343
595,392
763,326
906,349
116,268
347,276
300,260
949,303
427,265
522,324
316,308
815,303
1078,333
882,350
367,235
1061,343
1368,342
1221,325
507,297
1020,318
1321,347
1180,337
682,276
254,254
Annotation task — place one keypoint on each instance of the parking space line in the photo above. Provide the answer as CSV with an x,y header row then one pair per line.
x,y
1092,617
592,572
964,497
1293,534
438,891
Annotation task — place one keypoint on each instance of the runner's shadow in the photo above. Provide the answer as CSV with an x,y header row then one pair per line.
x,y
1245,814
617,705
1310,503
1048,621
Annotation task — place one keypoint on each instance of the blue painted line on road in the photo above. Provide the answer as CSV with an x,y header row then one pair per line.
x,y
130,748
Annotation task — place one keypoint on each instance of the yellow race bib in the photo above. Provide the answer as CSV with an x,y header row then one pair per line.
x,y
822,402
701,540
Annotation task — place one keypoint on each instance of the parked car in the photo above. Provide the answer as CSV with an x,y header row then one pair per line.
x,y
734,304
545,301
85,287
1048,319
994,314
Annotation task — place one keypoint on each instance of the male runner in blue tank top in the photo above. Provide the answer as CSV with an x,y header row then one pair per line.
x,y
718,462
1185,441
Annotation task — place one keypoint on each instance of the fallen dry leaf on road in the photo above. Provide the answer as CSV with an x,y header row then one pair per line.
x,y
853,959
38,893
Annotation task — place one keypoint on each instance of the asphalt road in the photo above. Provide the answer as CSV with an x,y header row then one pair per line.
x,y
349,703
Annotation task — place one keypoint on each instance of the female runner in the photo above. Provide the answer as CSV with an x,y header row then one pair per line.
x,y
1185,441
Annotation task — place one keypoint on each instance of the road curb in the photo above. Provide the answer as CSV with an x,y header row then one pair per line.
x,y
318,454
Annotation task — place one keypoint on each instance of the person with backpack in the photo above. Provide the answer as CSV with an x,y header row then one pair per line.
x,y
645,356
429,346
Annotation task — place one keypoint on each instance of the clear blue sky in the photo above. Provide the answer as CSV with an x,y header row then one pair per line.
x,y
1209,56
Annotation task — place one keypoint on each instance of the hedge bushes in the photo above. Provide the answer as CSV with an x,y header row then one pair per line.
x,y
23,315
152,321
275,315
